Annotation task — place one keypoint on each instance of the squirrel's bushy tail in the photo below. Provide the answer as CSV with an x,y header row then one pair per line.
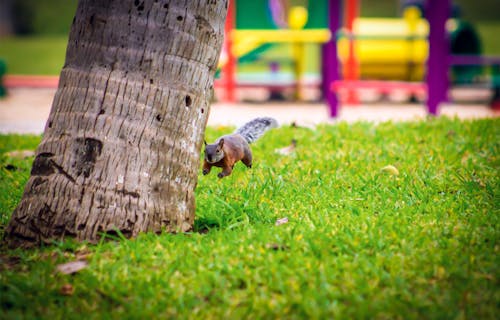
x,y
254,129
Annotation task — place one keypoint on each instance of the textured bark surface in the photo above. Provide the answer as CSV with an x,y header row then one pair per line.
x,y
121,147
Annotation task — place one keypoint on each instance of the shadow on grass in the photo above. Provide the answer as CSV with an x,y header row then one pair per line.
x,y
203,225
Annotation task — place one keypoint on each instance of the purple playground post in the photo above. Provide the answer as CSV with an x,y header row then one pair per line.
x,y
437,12
330,63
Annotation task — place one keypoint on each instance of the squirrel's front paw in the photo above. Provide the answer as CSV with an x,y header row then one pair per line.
x,y
220,175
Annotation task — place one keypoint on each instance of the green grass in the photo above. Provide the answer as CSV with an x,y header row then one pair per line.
x,y
41,55
488,32
360,243
46,17
13,172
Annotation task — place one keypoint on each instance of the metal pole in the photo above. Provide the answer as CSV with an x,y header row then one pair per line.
x,y
330,61
437,13
351,65
229,70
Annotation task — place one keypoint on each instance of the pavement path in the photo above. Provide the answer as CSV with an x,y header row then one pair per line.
x,y
25,110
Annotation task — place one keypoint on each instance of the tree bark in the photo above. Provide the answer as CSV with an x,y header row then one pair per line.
x,y
121,147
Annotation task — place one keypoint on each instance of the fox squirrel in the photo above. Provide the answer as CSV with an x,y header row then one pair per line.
x,y
229,149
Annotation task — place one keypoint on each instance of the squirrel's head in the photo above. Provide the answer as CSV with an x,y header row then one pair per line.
x,y
214,152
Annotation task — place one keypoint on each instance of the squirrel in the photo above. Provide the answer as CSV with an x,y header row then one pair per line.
x,y
231,148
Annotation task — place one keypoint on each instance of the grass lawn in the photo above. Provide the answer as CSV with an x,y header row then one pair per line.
x,y
41,55
360,242
488,32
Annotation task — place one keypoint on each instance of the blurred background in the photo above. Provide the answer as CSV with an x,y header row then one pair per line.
x,y
34,34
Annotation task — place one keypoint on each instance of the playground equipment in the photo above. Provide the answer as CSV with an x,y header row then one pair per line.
x,y
372,39
448,41
437,66
377,49
396,48
245,36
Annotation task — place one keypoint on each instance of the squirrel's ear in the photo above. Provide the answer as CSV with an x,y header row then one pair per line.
x,y
221,142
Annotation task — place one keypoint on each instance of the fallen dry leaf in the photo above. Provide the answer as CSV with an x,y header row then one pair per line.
x,y
281,221
288,149
49,255
83,256
83,253
71,267
67,290
20,154
390,169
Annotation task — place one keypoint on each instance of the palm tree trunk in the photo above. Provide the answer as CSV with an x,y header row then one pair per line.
x,y
121,147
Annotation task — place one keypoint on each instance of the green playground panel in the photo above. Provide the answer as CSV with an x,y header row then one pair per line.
x,y
257,15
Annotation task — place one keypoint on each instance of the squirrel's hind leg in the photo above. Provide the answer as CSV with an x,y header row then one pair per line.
x,y
247,163
247,159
